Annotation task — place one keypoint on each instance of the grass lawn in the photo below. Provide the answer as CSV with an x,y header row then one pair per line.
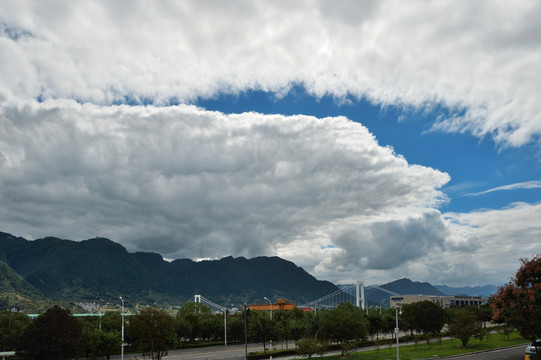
x,y
447,348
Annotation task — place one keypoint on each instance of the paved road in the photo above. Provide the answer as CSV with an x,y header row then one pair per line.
x,y
236,352
229,352
514,353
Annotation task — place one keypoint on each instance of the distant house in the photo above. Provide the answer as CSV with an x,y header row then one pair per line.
x,y
444,301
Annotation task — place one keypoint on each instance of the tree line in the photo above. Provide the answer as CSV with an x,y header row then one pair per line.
x,y
56,334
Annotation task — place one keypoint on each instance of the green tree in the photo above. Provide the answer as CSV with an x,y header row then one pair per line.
x,y
190,319
518,303
463,324
389,321
111,321
282,321
211,326
235,328
299,324
100,343
260,327
375,319
484,314
54,335
12,326
480,331
344,324
307,347
153,332
425,317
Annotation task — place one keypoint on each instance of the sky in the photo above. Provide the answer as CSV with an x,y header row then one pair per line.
x,y
362,140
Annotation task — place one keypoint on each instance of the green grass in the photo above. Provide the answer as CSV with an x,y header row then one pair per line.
x,y
434,350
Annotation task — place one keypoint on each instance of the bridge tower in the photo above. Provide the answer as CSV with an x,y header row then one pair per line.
x,y
359,300
197,299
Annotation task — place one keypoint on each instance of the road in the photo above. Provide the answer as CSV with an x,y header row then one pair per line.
x,y
514,353
229,352
236,352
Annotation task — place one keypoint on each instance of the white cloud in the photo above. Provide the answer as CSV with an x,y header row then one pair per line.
x,y
186,182
477,248
483,247
534,184
478,58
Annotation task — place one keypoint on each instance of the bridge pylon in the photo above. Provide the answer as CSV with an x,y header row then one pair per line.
x,y
359,300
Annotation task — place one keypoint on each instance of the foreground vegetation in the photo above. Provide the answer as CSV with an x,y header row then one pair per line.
x,y
55,334
446,348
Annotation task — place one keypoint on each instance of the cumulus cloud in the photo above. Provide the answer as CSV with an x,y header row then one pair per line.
x,y
369,244
479,59
482,247
186,182
476,248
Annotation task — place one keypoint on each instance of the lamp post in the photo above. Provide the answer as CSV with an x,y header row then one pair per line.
x,y
122,346
380,304
99,311
245,334
270,308
225,322
396,330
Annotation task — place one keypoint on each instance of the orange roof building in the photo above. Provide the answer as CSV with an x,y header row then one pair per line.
x,y
280,304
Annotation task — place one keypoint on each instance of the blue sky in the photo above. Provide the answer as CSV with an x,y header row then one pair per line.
x,y
367,141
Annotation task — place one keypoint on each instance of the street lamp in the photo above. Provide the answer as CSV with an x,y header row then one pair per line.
x,y
225,322
245,333
396,330
122,346
270,308
380,304
99,311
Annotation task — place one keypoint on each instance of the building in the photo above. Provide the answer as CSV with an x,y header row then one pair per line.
x,y
280,304
444,301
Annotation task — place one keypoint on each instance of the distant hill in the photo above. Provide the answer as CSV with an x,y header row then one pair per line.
x,y
99,268
486,290
408,287
378,297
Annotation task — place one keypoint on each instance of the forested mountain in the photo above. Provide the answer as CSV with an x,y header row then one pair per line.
x,y
94,269
100,269
378,297
408,287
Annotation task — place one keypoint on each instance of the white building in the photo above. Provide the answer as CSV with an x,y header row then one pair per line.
x,y
444,301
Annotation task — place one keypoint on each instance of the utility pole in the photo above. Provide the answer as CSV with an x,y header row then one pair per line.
x,y
225,322
122,346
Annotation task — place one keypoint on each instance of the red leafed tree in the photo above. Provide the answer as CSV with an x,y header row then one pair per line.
x,y
518,303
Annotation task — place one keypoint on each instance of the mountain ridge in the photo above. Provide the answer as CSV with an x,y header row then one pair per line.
x,y
98,268
485,290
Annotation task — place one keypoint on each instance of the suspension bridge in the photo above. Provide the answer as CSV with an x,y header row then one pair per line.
x,y
353,293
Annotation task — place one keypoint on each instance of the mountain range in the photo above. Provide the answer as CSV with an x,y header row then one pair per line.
x,y
49,270
94,269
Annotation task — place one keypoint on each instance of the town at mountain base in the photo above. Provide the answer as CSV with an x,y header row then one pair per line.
x,y
37,273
